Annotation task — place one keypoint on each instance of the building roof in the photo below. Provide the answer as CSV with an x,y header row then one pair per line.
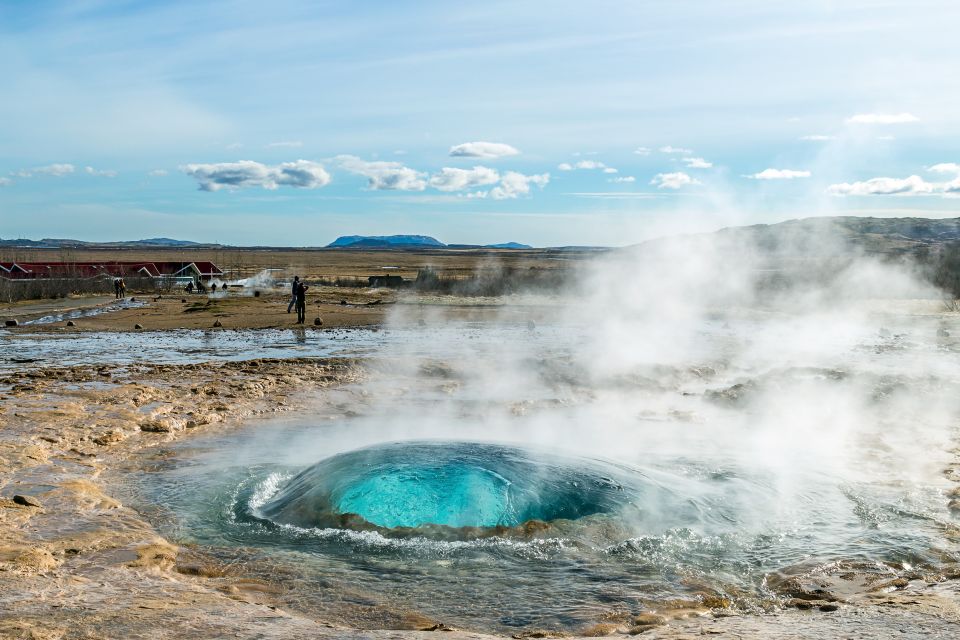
x,y
116,269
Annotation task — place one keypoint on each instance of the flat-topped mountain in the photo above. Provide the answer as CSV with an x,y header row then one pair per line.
x,y
372,242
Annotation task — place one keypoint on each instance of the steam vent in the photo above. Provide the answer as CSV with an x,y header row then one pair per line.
x,y
443,487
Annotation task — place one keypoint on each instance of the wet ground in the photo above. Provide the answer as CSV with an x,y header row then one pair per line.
x,y
811,481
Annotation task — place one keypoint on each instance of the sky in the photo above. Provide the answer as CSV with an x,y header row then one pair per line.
x,y
600,123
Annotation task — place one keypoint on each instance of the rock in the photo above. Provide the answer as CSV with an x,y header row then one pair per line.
x,y
317,322
161,425
343,303
110,437
600,630
71,323
138,326
256,294
11,323
829,607
27,501
943,333
183,299
217,323
649,620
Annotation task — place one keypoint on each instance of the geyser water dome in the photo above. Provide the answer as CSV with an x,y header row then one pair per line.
x,y
447,485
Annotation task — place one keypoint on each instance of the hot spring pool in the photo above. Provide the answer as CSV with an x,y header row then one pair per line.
x,y
442,487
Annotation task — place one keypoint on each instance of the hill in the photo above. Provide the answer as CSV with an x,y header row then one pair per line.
x,y
385,242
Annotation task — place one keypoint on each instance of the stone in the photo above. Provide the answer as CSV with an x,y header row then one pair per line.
x,y
217,323
26,501
110,437
829,607
11,323
317,322
161,425
138,326
71,323
649,620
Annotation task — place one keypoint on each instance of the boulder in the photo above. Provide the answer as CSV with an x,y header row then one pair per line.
x,y
11,323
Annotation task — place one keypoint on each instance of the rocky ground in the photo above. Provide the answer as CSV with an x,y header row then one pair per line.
x,y
77,563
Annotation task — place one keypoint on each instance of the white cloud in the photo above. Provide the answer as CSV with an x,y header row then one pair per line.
x,y
886,138
301,174
156,173
585,164
233,146
105,173
945,167
589,164
55,170
5,182
514,184
622,179
697,163
286,144
818,137
452,179
383,175
882,118
778,174
483,150
642,151
914,185
669,149
673,180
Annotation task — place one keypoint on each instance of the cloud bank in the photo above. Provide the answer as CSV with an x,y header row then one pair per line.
x,y
301,174
779,174
452,179
488,150
674,180
882,118
514,185
385,176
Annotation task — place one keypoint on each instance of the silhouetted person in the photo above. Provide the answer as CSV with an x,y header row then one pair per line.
x,y
293,293
116,288
123,288
300,291
190,287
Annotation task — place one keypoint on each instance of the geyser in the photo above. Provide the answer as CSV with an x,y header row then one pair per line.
x,y
443,485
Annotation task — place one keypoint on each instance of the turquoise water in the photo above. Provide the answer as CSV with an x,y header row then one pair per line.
x,y
453,485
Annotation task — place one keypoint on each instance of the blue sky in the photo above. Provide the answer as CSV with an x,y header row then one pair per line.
x,y
290,123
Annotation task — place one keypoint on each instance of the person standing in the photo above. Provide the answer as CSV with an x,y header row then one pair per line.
x,y
116,288
300,292
293,293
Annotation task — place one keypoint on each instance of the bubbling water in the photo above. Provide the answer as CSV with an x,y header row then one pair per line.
x,y
446,485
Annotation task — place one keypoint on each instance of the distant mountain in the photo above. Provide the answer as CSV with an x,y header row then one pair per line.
x,y
507,245
381,242
66,243
163,242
